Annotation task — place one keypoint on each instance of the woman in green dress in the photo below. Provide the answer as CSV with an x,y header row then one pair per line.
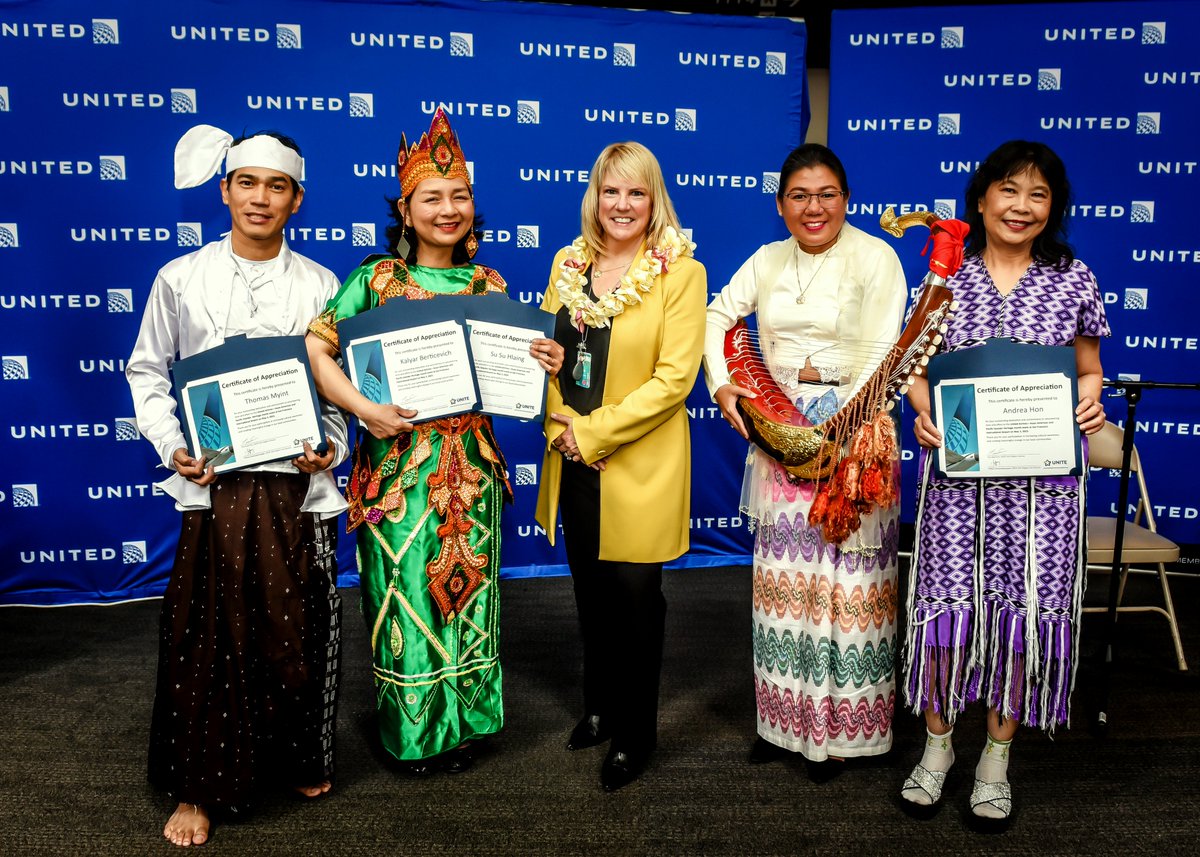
x,y
425,497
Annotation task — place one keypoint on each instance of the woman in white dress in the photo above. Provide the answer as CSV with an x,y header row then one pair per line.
x,y
824,615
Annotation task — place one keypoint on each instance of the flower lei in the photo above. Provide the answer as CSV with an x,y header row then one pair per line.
x,y
638,280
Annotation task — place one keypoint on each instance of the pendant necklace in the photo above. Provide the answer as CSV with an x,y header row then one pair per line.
x,y
804,290
582,373
598,271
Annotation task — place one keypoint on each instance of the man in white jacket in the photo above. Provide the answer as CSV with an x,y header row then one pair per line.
x,y
250,624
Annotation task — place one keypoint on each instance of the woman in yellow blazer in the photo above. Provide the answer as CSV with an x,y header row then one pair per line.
x,y
630,307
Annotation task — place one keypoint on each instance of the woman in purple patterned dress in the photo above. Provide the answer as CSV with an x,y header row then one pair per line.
x,y
995,595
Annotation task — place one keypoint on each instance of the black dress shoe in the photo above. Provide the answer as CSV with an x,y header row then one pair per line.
x,y
824,770
416,767
588,732
620,769
764,751
457,760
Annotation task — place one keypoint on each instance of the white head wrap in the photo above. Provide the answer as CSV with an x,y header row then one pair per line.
x,y
199,153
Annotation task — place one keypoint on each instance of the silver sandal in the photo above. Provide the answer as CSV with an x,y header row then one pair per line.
x,y
928,781
998,795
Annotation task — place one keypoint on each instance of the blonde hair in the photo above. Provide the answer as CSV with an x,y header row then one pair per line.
x,y
634,163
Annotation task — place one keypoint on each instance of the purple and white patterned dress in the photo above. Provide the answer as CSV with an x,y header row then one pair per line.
x,y
984,544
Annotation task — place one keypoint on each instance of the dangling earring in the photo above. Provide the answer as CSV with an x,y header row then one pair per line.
x,y
472,245
403,247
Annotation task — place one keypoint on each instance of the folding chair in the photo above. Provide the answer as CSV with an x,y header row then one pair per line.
x,y
1141,545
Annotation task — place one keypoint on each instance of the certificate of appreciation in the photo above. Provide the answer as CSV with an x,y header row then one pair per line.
x,y
448,355
248,401
425,368
413,354
1006,409
511,382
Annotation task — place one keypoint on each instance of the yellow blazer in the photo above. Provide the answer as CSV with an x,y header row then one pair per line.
x,y
642,427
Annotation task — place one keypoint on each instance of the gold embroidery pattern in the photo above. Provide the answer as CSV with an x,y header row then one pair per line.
x,y
366,506
391,279
453,489
325,327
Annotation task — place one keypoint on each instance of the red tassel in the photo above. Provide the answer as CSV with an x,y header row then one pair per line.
x,y
872,487
843,519
820,507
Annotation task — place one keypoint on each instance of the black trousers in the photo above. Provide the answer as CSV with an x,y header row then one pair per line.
x,y
621,614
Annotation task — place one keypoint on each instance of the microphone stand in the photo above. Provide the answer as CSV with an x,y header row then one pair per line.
x,y
1132,390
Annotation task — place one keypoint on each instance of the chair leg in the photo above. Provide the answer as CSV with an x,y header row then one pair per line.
x,y
1170,605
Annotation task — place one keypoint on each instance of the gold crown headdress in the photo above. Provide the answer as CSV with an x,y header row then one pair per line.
x,y
437,155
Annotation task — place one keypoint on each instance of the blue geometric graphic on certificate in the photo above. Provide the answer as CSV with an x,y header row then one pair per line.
x,y
962,439
368,358
216,446
957,436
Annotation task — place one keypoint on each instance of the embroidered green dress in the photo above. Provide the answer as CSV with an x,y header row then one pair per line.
x,y
426,506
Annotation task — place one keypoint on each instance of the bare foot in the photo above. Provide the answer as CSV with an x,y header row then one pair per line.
x,y
314,791
188,825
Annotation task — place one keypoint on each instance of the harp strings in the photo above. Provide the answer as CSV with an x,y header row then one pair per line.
x,y
862,355
785,357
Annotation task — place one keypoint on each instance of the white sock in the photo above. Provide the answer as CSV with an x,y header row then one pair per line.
x,y
993,768
938,757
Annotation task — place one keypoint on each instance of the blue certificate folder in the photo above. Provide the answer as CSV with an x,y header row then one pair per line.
x,y
237,353
995,359
501,309
400,314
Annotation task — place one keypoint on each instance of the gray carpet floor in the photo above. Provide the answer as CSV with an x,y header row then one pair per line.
x,y
75,697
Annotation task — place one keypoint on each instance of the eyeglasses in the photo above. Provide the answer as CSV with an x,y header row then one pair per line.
x,y
825,199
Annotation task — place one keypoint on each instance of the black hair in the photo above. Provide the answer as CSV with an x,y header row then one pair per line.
x,y
282,138
397,230
811,155
1011,159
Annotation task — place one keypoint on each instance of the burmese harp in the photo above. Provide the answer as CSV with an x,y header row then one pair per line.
x,y
851,452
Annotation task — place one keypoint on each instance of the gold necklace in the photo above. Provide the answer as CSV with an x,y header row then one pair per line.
x,y
808,285
619,266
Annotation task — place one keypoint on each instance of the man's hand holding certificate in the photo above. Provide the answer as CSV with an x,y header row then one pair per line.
x,y
247,402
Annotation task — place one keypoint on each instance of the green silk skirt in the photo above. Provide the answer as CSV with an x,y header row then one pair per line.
x,y
437,679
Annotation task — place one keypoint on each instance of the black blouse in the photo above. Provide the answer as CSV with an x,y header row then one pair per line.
x,y
582,400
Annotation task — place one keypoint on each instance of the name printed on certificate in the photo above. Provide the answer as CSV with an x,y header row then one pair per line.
x,y
511,382
249,416
1016,425
424,368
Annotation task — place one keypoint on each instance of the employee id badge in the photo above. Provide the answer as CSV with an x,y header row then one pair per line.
x,y
582,373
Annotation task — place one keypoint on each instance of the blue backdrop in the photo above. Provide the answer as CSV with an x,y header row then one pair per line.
x,y
91,107
919,96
